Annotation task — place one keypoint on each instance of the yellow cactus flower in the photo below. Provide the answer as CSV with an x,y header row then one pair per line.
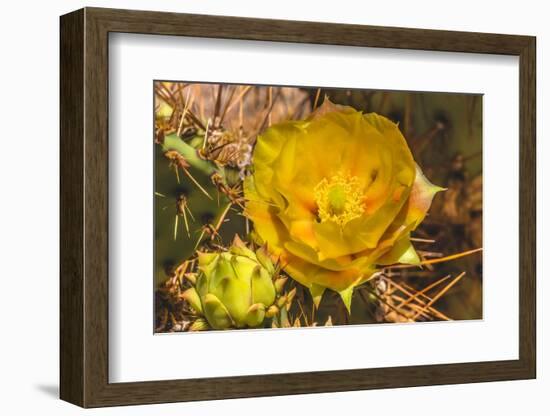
x,y
335,197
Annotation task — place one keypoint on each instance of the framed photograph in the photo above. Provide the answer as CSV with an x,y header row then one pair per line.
x,y
263,207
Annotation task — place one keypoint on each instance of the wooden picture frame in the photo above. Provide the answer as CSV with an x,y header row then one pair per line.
x,y
84,207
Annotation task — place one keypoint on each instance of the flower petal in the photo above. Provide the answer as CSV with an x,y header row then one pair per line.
x,y
420,200
303,271
401,252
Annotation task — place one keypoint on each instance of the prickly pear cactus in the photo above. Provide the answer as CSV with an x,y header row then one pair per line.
x,y
206,139
188,205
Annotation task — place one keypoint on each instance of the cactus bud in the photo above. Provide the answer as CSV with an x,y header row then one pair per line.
x,y
233,289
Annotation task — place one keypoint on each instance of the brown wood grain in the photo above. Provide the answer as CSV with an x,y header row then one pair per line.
x,y
72,208
84,207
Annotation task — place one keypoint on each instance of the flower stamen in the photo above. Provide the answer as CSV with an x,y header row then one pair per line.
x,y
339,199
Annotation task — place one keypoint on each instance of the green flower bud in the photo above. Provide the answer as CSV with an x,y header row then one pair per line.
x,y
233,289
